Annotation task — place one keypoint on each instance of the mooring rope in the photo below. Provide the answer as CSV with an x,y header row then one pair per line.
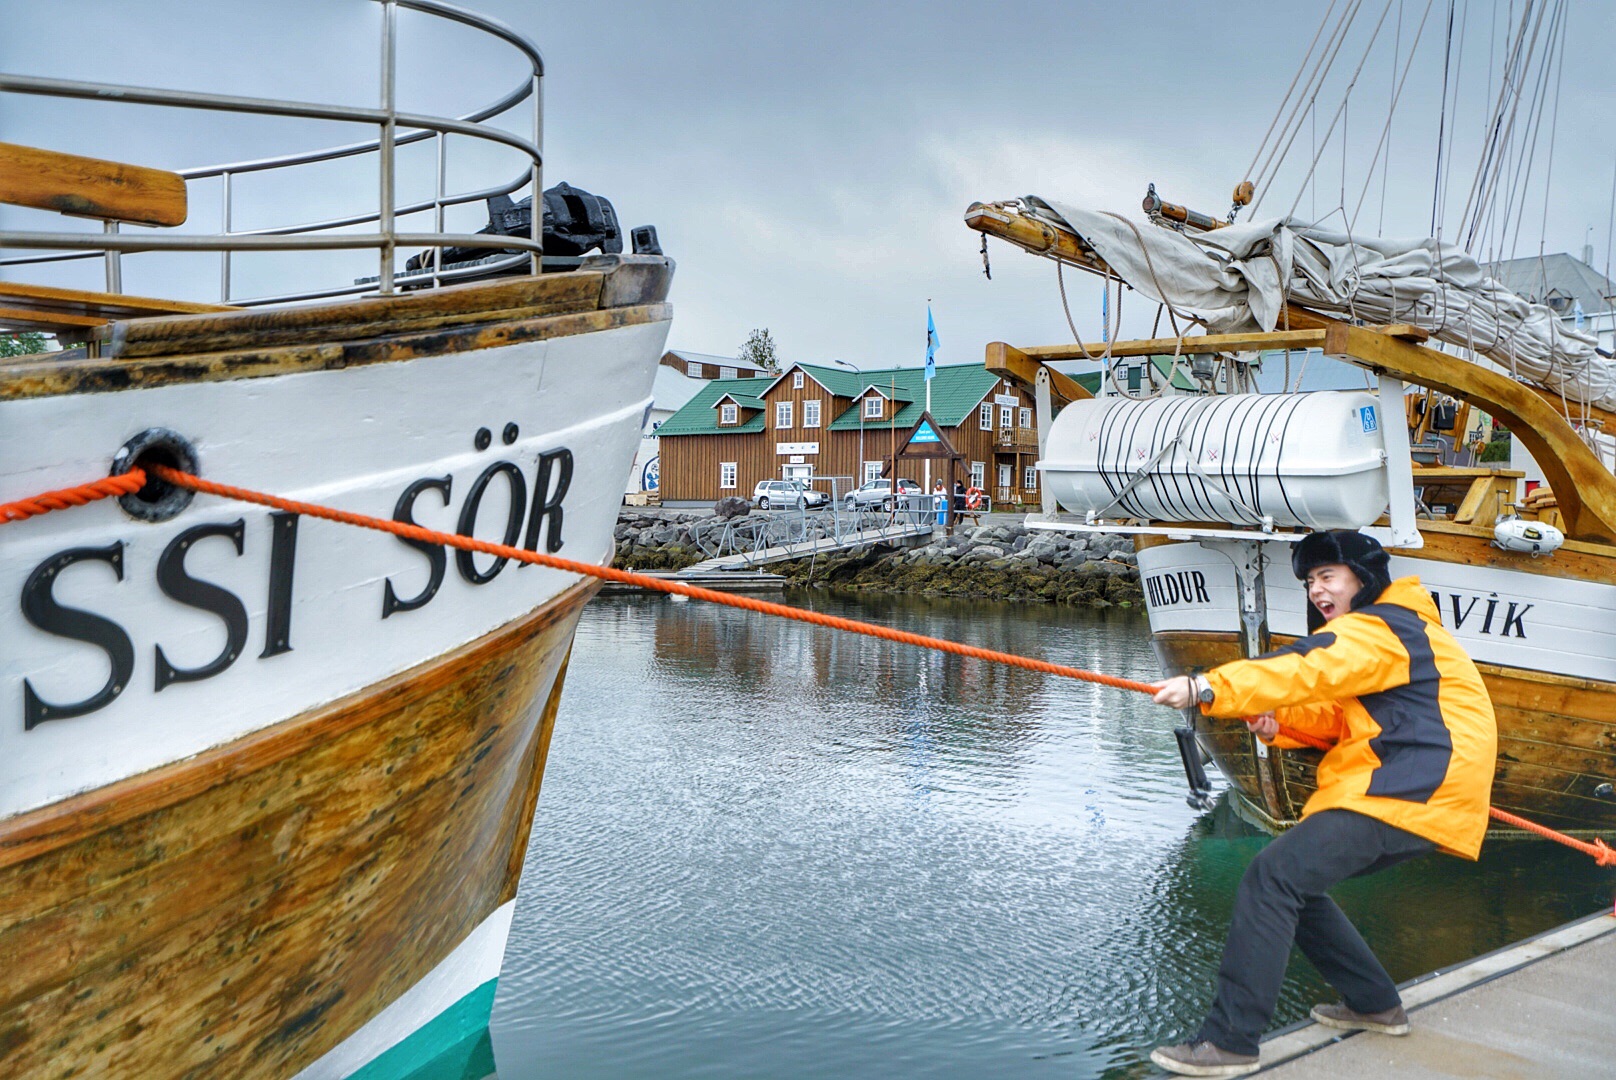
x,y
136,479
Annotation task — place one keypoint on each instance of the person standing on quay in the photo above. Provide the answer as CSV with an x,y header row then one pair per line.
x,y
1411,771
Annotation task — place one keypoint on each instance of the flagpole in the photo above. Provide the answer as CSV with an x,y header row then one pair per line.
x,y
931,335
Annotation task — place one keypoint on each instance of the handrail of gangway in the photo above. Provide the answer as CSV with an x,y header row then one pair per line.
x,y
297,237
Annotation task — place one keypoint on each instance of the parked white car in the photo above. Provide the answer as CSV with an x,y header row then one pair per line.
x,y
781,493
878,493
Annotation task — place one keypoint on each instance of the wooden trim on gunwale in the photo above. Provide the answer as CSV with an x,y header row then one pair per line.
x,y
244,911
36,377
1450,542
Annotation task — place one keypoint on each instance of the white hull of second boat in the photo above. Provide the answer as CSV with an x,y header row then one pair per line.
x,y
1506,617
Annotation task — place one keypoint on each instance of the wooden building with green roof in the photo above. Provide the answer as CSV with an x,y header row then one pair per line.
x,y
815,422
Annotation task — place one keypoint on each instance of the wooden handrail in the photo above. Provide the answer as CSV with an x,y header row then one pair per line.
x,y
90,187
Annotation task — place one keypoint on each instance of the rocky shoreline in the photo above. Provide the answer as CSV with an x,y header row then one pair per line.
x,y
999,560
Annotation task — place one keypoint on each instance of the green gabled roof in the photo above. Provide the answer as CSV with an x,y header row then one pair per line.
x,y
955,393
1090,380
699,417
742,400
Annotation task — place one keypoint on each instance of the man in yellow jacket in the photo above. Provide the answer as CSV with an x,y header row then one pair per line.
x,y
1411,771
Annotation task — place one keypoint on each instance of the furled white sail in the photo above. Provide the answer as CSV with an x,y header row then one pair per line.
x,y
1238,278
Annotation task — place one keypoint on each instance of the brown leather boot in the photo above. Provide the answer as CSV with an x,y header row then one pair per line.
x,y
1393,1021
1203,1059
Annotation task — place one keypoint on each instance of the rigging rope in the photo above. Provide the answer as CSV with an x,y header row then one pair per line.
x,y
136,479
1280,109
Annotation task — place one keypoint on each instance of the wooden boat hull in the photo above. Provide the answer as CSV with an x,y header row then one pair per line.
x,y
284,833
246,910
1557,729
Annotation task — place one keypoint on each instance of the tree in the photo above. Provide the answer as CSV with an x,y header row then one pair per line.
x,y
759,349
21,344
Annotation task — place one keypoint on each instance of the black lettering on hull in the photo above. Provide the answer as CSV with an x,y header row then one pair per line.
x,y
437,561
177,583
40,608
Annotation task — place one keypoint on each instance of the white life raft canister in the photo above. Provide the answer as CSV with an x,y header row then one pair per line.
x,y
1314,460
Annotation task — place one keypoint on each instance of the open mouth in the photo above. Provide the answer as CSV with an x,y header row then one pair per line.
x,y
1326,608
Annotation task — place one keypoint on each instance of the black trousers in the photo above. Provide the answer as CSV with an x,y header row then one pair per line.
x,y
1281,901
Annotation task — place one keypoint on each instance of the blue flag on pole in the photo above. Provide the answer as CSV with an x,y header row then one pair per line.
x,y
931,345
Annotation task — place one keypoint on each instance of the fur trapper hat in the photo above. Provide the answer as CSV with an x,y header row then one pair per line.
x,y
1361,554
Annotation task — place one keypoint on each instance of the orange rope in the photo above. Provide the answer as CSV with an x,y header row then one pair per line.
x,y
135,479
123,484
628,577
1601,852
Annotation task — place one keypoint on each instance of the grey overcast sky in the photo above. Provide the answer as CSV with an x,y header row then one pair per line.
x,y
808,165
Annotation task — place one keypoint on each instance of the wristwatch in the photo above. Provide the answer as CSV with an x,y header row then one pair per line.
x,y
1202,688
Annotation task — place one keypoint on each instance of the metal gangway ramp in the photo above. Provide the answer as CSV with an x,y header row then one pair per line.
x,y
760,538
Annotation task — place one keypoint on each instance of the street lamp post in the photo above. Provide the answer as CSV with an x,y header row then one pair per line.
x,y
859,472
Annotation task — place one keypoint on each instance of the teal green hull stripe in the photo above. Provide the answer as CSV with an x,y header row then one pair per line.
x,y
453,1045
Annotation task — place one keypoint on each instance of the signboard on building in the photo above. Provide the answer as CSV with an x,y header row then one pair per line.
x,y
1006,399
924,433
796,448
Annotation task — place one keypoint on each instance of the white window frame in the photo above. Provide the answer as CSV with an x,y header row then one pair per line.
x,y
729,413
1007,475
979,474
693,368
810,412
782,414
796,380
726,475
1007,415
1026,417
729,373
984,416
1029,478
872,406
872,470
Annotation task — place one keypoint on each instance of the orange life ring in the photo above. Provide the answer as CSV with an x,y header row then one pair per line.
x,y
973,499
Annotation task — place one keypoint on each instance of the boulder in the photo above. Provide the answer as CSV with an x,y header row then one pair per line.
x,y
731,506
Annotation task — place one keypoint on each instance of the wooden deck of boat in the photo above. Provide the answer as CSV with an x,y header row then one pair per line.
x,y
1537,1008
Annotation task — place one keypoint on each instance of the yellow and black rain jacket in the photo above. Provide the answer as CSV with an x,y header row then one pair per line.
x,y
1416,741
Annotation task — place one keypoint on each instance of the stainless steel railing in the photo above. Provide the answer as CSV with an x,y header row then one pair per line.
x,y
395,129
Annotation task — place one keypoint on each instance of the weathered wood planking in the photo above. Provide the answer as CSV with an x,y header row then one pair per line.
x,y
242,912
90,187
1556,739
44,377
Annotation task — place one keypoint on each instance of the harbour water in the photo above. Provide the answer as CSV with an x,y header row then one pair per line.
x,y
765,849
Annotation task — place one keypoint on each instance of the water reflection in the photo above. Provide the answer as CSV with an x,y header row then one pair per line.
x,y
764,849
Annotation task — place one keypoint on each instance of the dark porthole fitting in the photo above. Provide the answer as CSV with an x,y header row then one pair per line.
x,y
157,500
511,432
483,438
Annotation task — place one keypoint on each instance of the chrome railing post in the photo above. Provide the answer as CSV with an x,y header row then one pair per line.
x,y
114,267
224,230
389,127
437,206
537,225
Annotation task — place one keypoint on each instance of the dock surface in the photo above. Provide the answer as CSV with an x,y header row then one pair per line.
x,y
1541,1008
